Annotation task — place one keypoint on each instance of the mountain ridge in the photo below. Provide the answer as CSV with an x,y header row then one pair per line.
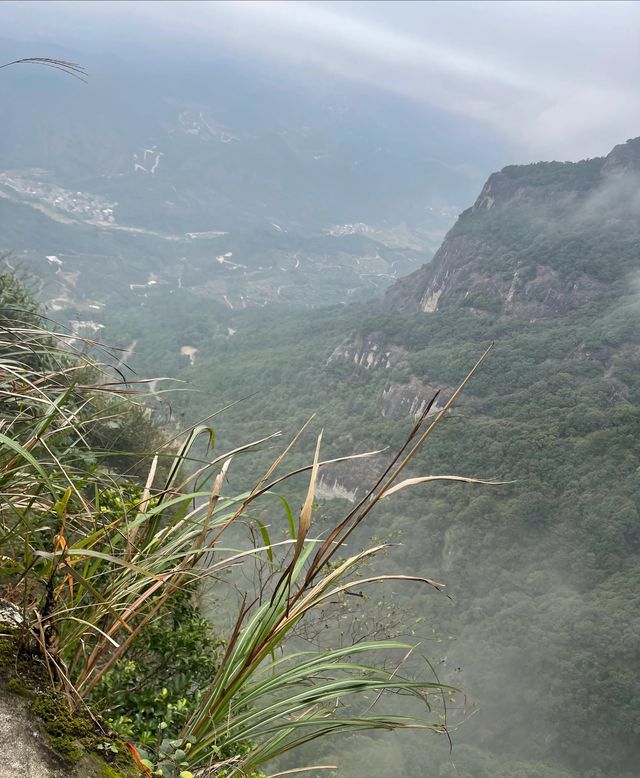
x,y
514,272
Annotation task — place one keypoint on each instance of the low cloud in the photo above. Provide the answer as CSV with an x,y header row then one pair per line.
x,y
559,80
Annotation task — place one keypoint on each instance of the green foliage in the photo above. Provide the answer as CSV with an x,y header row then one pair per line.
x,y
581,175
556,409
104,570
16,302
150,693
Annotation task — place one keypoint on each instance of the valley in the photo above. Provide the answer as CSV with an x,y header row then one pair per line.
x,y
262,255
309,199
554,412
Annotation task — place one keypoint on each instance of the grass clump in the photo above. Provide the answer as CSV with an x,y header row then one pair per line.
x,y
105,565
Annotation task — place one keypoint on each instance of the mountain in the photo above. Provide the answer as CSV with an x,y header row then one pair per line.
x,y
543,626
508,253
233,180
214,220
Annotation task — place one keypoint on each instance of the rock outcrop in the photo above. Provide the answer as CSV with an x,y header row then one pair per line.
x,y
509,253
369,351
40,737
410,399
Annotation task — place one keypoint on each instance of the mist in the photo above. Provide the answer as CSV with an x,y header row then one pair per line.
x,y
530,72
281,213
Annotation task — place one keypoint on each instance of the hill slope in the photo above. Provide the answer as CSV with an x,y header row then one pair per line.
x,y
544,572
540,241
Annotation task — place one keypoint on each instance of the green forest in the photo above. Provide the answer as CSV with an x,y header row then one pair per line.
x,y
293,481
536,567
542,628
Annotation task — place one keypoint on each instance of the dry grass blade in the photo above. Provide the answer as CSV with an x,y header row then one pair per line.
x,y
355,517
330,541
427,478
440,416
304,524
217,486
324,463
259,487
213,502
278,460
70,68
144,504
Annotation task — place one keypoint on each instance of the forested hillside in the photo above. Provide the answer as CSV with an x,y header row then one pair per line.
x,y
542,627
319,439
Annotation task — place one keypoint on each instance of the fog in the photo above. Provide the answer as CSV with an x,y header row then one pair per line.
x,y
556,80
231,193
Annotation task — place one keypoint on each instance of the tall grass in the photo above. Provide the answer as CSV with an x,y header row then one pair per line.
x,y
90,577
72,69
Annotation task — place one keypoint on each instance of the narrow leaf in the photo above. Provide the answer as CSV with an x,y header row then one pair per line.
x,y
427,478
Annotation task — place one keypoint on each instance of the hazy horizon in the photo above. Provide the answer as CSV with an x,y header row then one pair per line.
x,y
529,74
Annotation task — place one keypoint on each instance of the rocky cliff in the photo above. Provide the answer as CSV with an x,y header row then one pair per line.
x,y
40,736
540,241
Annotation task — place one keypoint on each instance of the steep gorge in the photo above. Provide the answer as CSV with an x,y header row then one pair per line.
x,y
542,571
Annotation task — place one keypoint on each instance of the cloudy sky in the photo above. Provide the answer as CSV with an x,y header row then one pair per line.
x,y
557,79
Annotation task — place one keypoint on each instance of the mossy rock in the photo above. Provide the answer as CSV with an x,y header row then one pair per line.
x,y
40,736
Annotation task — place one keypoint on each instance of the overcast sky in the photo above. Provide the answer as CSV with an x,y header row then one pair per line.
x,y
558,79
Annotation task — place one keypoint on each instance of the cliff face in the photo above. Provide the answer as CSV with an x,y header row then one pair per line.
x,y
369,351
40,737
537,241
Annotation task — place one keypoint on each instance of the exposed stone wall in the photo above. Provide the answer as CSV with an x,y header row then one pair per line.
x,y
39,735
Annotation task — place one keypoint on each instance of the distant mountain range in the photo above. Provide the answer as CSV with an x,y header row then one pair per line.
x,y
264,191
